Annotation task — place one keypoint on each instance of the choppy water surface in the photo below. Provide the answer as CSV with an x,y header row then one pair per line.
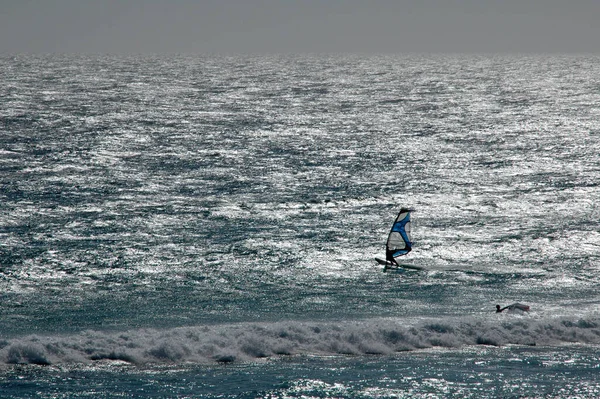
x,y
219,216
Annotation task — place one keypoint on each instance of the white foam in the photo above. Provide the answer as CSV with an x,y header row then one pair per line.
x,y
252,341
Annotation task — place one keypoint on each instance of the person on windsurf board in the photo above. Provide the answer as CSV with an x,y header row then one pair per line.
x,y
399,242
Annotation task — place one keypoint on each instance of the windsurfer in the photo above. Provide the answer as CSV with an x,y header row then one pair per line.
x,y
389,257
399,242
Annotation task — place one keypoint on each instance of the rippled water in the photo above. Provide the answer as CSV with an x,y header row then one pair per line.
x,y
160,216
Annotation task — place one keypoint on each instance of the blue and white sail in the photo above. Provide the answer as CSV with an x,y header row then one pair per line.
x,y
399,241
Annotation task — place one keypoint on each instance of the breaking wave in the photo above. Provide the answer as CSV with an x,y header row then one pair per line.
x,y
252,341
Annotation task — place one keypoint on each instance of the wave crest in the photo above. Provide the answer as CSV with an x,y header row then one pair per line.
x,y
251,341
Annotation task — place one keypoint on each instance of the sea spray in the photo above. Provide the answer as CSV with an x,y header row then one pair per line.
x,y
243,342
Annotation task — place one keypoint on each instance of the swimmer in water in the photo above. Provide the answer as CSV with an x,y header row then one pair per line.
x,y
514,306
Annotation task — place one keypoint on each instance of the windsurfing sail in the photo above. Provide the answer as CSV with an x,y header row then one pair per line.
x,y
399,242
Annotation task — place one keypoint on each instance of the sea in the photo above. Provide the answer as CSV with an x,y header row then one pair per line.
x,y
206,226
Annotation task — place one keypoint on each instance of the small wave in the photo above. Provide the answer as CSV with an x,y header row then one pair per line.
x,y
252,341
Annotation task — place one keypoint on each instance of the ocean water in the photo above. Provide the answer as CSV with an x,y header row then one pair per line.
x,y
206,226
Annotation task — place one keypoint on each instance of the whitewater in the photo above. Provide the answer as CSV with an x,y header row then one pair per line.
x,y
207,226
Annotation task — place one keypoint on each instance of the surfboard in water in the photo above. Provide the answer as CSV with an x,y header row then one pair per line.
x,y
399,242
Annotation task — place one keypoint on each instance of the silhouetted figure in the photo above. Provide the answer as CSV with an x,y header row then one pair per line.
x,y
514,306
